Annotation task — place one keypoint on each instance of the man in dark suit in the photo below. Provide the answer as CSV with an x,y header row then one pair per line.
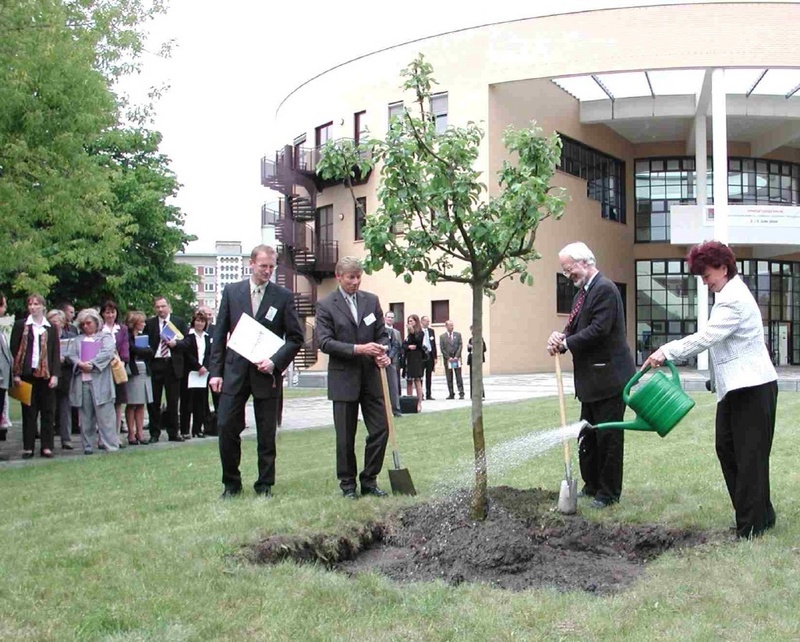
x,y
429,341
351,332
237,379
395,346
451,345
166,370
602,362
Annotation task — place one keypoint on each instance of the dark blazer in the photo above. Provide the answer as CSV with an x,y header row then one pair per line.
x,y
469,351
337,333
191,359
234,369
600,354
53,349
434,354
138,354
152,328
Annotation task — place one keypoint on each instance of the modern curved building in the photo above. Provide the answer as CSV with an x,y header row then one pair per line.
x,y
661,109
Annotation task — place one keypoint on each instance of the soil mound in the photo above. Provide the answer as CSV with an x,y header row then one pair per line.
x,y
522,544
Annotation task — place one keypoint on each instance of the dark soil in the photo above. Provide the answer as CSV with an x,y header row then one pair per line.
x,y
522,544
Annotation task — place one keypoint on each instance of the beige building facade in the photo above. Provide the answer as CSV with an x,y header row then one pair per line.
x,y
711,99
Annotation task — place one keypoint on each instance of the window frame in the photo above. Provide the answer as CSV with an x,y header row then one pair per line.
x,y
436,309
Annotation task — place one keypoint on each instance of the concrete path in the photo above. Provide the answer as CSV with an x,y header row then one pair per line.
x,y
316,412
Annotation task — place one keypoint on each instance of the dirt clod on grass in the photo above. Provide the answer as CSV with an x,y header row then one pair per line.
x,y
522,544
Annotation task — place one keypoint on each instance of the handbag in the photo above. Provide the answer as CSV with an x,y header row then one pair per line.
x,y
118,370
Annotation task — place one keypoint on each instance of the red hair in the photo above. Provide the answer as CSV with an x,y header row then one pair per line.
x,y
711,254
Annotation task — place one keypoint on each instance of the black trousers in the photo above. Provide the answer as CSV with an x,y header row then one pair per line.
x,y
745,426
42,410
472,384
601,452
231,424
163,379
429,363
194,410
345,421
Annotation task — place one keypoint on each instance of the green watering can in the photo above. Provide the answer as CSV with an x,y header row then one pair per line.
x,y
659,404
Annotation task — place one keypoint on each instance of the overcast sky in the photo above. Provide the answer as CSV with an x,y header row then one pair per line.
x,y
233,63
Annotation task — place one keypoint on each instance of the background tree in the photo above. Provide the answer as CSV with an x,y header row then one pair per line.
x,y
82,198
453,231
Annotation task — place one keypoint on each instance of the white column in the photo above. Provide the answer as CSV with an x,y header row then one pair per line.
x,y
719,133
701,191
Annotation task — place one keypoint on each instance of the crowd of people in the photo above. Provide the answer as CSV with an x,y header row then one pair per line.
x,y
93,374
98,366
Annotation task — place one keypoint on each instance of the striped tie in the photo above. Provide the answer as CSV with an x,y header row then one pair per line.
x,y
163,348
575,310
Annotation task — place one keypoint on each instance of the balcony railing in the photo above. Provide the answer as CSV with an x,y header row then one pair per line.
x,y
270,213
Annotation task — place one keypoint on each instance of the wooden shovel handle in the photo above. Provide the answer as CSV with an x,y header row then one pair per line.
x,y
563,408
387,406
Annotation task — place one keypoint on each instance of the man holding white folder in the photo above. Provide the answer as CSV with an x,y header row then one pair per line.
x,y
237,378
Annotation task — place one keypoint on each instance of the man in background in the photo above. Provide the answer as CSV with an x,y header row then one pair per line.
x,y
450,346
429,343
166,370
395,345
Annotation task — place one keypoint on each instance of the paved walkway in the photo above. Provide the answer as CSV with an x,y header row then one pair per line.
x,y
316,412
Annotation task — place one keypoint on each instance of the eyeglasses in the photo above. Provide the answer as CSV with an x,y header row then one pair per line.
x,y
567,271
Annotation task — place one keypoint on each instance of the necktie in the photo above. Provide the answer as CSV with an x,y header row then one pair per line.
x,y
575,309
351,300
163,348
256,299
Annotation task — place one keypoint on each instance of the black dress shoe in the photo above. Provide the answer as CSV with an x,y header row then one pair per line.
x,y
27,455
154,439
599,503
397,414
201,435
176,438
373,490
67,447
350,493
461,396
450,397
230,493
429,398
264,492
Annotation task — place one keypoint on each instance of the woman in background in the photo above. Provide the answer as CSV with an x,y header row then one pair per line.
x,y
414,358
37,361
92,390
198,356
63,414
469,363
746,384
111,326
138,390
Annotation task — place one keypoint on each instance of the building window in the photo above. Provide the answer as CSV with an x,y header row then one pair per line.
x,y
208,287
323,134
247,271
664,182
193,286
440,311
208,271
399,318
439,111
360,217
565,292
300,157
604,176
324,224
360,132
395,110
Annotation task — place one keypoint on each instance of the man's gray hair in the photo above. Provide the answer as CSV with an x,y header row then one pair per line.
x,y
578,252
348,264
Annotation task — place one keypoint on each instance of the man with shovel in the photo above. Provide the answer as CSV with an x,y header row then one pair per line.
x,y
602,363
351,332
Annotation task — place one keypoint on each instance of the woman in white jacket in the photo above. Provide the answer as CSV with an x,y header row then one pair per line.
x,y
746,384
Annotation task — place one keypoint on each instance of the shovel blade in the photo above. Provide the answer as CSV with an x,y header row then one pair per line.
x,y
400,480
568,497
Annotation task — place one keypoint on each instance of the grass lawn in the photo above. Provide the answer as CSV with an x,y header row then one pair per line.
x,y
136,545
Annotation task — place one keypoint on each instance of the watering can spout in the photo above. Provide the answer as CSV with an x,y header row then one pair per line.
x,y
659,404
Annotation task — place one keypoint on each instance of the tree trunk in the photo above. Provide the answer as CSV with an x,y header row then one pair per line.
x,y
479,501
